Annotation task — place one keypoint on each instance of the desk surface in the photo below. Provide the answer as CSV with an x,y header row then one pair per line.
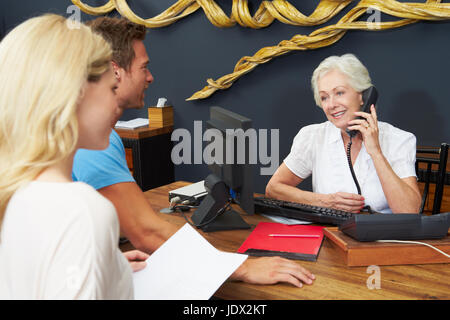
x,y
334,280
144,132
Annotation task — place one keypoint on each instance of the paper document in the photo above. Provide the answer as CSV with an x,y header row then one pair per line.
x,y
132,124
185,267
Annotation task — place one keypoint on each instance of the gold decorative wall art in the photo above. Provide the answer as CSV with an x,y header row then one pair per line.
x,y
283,11
267,12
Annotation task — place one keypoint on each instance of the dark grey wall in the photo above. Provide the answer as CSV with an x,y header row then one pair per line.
x,y
409,66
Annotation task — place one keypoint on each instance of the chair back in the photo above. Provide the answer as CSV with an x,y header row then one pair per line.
x,y
428,175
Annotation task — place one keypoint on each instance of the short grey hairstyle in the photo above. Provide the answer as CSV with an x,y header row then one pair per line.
x,y
348,64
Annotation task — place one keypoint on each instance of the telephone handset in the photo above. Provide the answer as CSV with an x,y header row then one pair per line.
x,y
369,97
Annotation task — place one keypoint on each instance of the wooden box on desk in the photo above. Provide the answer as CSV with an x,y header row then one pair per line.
x,y
160,117
357,253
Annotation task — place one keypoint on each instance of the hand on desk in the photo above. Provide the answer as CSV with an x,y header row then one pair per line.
x,y
271,270
136,259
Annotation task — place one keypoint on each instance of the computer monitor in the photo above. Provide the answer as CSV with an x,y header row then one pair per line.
x,y
231,177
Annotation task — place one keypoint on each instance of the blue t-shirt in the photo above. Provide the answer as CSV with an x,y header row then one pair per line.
x,y
102,168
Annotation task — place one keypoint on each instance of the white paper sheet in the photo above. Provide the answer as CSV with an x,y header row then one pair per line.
x,y
132,124
185,267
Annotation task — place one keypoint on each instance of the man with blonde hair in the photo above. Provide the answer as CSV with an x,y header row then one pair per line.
x,y
107,170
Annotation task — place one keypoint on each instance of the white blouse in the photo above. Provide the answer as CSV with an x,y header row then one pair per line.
x,y
319,150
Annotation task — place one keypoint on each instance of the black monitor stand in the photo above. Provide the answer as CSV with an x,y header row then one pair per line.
x,y
214,214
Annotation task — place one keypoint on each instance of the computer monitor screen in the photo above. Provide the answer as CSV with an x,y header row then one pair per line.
x,y
232,167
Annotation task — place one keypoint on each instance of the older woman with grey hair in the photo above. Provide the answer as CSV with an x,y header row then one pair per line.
x,y
383,156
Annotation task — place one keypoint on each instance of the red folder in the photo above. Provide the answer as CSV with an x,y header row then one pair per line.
x,y
299,242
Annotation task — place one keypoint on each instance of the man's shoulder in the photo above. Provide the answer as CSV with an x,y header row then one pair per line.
x,y
115,139
101,168
113,151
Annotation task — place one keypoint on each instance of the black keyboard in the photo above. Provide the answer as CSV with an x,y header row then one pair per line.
x,y
300,211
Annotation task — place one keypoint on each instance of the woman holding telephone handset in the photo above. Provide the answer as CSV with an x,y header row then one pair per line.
x,y
382,156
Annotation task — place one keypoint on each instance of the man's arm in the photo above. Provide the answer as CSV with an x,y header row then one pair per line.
x,y
146,231
138,221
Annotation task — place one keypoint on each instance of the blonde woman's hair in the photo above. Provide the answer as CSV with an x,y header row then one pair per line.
x,y
348,64
45,63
